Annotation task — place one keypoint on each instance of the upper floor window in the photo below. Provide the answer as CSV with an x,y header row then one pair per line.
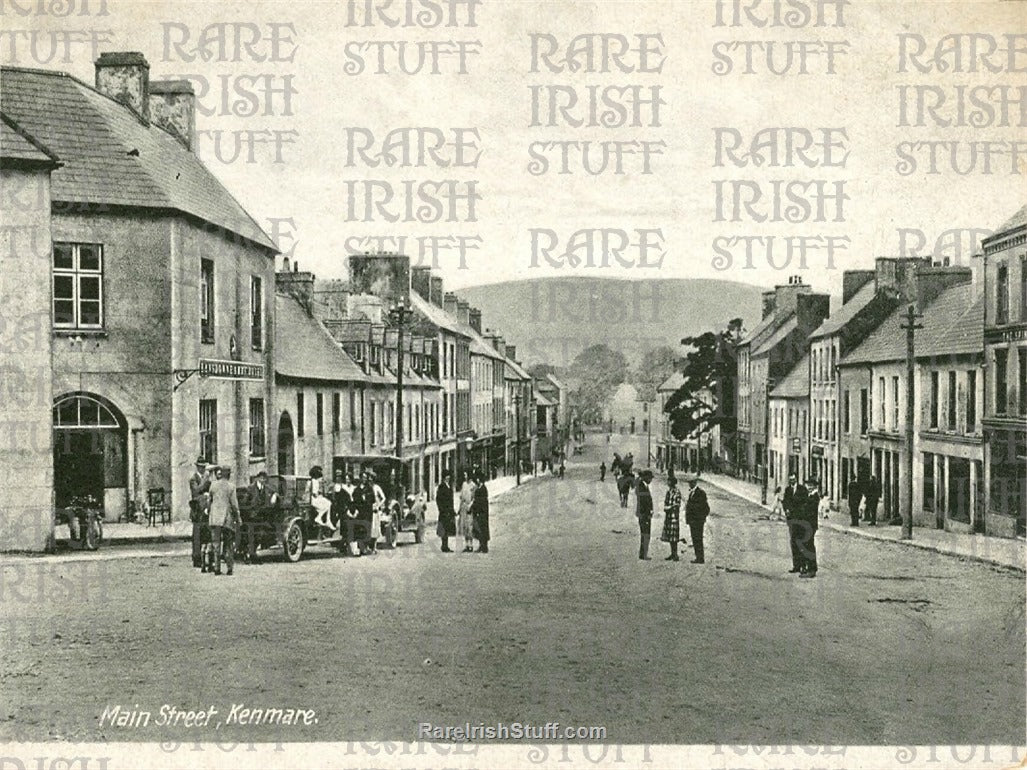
x,y
971,401
1001,380
935,405
952,401
256,312
78,286
1002,294
206,300
257,432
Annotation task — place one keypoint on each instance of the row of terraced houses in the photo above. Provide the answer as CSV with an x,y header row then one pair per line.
x,y
823,394
148,319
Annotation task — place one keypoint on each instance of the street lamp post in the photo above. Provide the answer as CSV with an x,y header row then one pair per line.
x,y
517,435
400,313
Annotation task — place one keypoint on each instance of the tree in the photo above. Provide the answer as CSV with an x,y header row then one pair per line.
x,y
598,370
706,399
656,365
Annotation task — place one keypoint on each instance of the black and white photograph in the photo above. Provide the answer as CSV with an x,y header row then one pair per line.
x,y
513,383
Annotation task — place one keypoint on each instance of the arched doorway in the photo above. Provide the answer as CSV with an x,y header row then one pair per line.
x,y
286,446
90,457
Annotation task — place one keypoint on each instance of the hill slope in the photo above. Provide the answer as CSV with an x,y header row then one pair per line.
x,y
552,319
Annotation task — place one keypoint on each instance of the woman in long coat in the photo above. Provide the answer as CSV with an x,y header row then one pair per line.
x,y
465,513
671,521
447,514
480,511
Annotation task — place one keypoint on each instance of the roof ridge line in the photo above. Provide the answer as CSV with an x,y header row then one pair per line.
x,y
20,131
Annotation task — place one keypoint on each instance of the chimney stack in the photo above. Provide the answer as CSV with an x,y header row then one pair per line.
x,y
474,317
125,77
450,303
420,280
769,299
511,353
463,311
172,106
298,285
437,291
853,281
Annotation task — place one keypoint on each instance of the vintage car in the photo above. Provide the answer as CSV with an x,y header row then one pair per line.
x,y
390,474
288,522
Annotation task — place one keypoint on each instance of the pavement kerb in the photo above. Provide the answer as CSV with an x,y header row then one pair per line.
x,y
872,535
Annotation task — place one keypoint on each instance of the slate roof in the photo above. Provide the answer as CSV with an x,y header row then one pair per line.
x,y
437,316
111,158
761,328
955,324
17,144
780,334
796,383
518,370
305,350
672,383
837,320
945,331
1017,220
543,400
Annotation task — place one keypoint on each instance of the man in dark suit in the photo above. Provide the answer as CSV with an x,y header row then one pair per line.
x,y
259,498
697,508
447,512
792,501
809,524
873,494
199,501
644,512
855,495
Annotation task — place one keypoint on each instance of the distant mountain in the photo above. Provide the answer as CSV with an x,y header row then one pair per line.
x,y
552,319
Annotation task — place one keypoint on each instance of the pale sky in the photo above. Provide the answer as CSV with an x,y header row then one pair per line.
x,y
313,184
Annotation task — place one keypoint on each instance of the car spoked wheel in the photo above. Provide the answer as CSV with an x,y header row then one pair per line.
x,y
293,541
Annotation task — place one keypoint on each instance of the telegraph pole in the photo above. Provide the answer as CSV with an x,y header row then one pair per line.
x,y
910,326
766,440
399,313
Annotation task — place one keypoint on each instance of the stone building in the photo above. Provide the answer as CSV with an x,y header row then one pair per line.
x,y
26,344
161,305
1005,406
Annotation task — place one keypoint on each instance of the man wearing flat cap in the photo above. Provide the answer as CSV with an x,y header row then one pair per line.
x,y
697,508
644,511
199,499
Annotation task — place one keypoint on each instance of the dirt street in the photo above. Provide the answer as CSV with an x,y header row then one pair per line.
x,y
561,622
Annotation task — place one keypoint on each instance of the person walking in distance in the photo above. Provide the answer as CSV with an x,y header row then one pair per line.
x,y
224,520
697,508
873,496
447,513
199,499
855,496
671,517
644,512
602,471
792,501
809,525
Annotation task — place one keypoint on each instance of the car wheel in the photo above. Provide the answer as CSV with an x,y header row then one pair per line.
x,y
293,541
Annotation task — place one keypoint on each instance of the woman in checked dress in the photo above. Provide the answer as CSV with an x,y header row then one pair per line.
x,y
672,511
466,513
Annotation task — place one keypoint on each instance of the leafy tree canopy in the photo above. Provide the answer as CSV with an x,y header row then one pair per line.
x,y
656,365
599,370
706,397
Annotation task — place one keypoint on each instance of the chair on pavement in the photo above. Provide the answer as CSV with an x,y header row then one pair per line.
x,y
156,505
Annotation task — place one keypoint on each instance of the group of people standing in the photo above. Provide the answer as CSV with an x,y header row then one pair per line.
x,y
472,516
801,504
214,513
352,510
697,509
863,496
